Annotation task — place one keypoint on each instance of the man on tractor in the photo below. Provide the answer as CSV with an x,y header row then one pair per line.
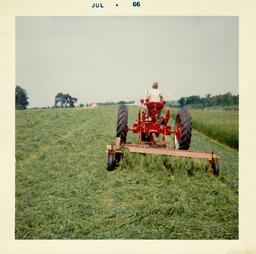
x,y
154,95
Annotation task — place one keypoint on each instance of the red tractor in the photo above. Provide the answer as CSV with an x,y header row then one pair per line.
x,y
150,125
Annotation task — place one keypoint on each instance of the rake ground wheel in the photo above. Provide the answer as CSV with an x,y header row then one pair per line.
x,y
183,128
215,168
111,165
121,124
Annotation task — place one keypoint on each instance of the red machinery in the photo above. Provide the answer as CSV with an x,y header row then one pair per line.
x,y
150,125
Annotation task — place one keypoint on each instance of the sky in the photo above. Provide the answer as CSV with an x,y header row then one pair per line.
x,y
100,59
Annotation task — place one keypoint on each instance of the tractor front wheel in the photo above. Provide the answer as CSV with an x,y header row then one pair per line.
x,y
183,129
121,124
145,138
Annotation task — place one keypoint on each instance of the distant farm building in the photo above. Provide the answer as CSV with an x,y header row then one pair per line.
x,y
92,105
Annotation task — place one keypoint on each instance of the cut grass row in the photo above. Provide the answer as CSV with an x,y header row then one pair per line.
x,y
63,190
218,124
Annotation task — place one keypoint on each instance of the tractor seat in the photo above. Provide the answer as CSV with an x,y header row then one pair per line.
x,y
156,105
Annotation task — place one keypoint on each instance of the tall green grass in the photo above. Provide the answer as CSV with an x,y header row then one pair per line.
x,y
217,124
63,190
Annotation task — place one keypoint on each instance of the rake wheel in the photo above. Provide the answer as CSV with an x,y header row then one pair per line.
x,y
215,168
111,162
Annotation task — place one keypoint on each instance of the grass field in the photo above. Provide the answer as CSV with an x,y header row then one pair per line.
x,y
218,124
63,190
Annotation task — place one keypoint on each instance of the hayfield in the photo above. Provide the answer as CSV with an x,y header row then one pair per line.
x,y
63,190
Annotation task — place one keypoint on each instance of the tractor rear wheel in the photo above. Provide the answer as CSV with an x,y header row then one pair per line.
x,y
121,124
183,128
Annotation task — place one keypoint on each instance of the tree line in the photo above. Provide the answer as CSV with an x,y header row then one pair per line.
x,y
67,101
115,103
226,99
62,100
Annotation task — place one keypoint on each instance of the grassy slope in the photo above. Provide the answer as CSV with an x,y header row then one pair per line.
x,y
220,125
64,192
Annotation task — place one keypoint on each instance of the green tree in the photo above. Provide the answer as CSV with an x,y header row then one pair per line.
x,y
65,100
58,100
21,98
195,99
70,100
182,101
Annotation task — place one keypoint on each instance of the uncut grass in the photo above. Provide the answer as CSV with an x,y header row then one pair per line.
x,y
63,190
220,125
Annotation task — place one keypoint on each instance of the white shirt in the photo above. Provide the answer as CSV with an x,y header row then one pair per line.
x,y
154,95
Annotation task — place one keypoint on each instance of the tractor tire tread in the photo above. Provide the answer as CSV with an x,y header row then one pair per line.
x,y
186,128
121,125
